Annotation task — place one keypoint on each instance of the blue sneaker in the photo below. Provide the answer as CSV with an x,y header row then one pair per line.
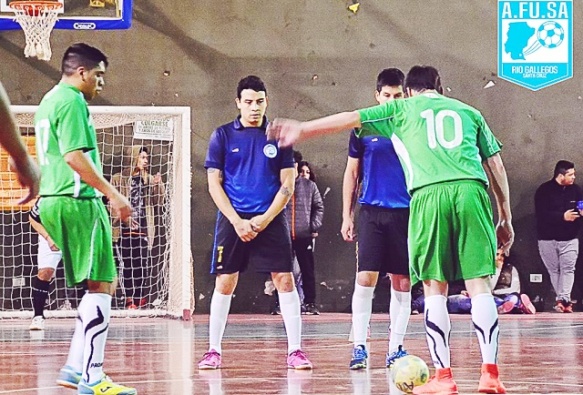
x,y
359,357
68,377
104,387
392,357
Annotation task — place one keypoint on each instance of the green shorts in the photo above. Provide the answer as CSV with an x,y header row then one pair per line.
x,y
81,230
451,232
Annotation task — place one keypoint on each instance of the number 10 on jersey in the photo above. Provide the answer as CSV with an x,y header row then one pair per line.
x,y
436,130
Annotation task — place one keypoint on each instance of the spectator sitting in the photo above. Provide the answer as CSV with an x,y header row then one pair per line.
x,y
456,293
506,290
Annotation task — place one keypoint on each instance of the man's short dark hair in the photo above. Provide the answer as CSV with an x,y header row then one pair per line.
x,y
420,78
390,77
562,167
81,55
144,149
251,82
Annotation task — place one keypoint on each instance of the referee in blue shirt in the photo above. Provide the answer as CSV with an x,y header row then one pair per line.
x,y
251,180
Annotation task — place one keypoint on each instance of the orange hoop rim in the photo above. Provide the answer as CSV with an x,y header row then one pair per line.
x,y
44,5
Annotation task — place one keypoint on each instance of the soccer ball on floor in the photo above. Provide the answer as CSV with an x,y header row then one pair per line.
x,y
409,372
550,34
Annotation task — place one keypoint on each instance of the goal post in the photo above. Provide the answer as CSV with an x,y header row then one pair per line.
x,y
164,282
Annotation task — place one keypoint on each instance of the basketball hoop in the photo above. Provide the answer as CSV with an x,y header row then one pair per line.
x,y
37,19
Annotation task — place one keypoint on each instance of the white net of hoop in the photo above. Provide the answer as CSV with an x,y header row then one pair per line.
x,y
37,19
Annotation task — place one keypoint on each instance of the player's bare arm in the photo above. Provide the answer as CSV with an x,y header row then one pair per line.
x,y
288,184
27,171
349,190
288,131
84,167
242,226
37,226
499,181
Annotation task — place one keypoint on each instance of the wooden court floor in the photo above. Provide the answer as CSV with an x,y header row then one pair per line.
x,y
539,354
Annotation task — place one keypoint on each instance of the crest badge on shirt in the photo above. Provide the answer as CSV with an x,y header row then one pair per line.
x,y
535,42
270,151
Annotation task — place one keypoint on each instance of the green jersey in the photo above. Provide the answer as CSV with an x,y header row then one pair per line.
x,y
438,139
62,124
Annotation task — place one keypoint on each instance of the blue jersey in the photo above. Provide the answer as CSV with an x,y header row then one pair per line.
x,y
251,165
383,179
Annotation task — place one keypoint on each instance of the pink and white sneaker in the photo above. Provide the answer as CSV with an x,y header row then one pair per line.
x,y
298,360
506,307
210,360
526,305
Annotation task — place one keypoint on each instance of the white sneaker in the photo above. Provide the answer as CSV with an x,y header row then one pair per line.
x,y
37,324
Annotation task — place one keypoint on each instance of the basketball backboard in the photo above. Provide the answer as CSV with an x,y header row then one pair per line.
x,y
81,15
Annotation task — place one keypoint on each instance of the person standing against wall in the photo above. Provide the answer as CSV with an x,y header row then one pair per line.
x,y
304,213
133,243
558,222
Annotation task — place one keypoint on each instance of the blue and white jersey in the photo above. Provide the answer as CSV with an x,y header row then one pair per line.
x,y
250,164
383,179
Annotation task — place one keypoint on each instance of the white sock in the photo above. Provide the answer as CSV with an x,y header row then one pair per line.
x,y
437,329
220,306
75,358
399,313
361,312
289,303
485,319
94,312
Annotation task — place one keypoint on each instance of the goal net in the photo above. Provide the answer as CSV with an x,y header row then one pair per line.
x,y
155,270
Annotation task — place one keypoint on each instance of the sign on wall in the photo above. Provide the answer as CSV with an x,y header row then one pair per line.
x,y
535,42
160,129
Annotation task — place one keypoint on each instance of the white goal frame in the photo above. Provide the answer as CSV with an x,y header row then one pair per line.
x,y
180,301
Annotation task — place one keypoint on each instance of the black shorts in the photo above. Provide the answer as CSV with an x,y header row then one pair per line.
x,y
382,240
269,252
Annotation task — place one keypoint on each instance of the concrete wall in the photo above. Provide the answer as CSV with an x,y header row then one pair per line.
x,y
318,58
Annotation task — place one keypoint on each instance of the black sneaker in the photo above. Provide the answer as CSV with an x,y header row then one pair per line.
x,y
276,311
311,309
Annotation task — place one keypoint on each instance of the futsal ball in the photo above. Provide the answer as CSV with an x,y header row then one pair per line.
x,y
550,34
409,372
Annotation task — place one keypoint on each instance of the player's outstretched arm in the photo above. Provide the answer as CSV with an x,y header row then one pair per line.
x,y
288,131
499,181
89,174
349,187
242,226
26,169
